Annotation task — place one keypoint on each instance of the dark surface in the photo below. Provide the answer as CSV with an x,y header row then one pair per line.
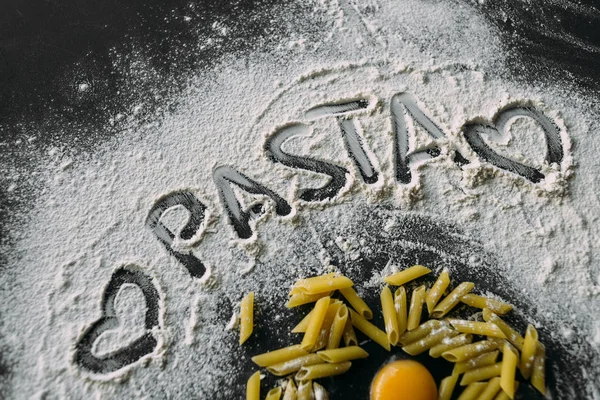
x,y
416,240
49,47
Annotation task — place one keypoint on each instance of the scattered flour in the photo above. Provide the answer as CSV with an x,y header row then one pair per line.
x,y
90,218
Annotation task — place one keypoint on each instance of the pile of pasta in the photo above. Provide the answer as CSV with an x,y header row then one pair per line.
x,y
333,321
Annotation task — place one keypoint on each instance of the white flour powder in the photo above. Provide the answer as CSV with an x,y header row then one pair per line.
x,y
90,216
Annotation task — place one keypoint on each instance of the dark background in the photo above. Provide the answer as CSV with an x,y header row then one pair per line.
x,y
49,47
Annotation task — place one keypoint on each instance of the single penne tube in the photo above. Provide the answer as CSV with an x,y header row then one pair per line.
x,y
305,390
322,370
314,325
423,330
301,326
401,309
320,392
416,308
296,289
342,354
274,394
450,301
349,335
357,302
447,386
407,275
477,328
530,344
390,318
290,391
497,306
472,391
246,317
481,374
538,371
337,328
437,290
510,359
468,351
278,356
491,390
300,299
291,366
326,326
253,387
435,337
449,343
512,335
481,360
373,332
502,395
323,284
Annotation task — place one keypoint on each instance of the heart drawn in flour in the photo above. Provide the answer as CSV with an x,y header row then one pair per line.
x,y
498,128
85,356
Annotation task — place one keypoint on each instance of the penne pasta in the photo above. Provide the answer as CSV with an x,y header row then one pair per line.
x,y
253,387
291,366
423,330
538,371
278,356
449,343
481,374
357,302
322,370
472,391
390,317
349,336
447,386
468,351
300,299
343,354
510,358
296,289
416,308
476,362
303,324
323,284
407,275
290,391
274,394
481,302
373,332
491,390
337,327
305,390
450,301
326,326
320,392
437,290
477,328
435,337
530,344
401,309
246,317
512,335
502,394
314,326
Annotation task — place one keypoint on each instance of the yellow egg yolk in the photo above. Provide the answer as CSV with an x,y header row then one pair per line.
x,y
403,380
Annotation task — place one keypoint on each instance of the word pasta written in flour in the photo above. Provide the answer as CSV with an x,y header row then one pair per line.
x,y
405,114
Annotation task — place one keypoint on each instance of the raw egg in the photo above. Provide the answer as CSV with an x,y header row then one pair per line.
x,y
403,380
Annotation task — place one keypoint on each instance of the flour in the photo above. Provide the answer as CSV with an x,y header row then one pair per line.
x,y
91,215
